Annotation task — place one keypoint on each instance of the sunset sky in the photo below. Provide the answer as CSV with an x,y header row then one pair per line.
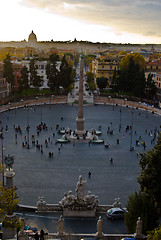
x,y
117,21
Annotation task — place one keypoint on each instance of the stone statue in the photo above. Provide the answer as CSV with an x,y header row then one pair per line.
x,y
117,203
41,204
22,222
138,228
80,189
61,226
64,201
70,198
99,227
91,199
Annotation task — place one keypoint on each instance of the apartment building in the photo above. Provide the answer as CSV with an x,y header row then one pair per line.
x,y
4,86
104,68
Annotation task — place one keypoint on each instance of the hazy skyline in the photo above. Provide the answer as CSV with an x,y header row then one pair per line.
x,y
117,21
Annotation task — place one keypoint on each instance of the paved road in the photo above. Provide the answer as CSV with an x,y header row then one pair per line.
x,y
49,223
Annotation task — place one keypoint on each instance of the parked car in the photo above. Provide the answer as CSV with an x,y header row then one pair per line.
x,y
128,239
115,213
30,229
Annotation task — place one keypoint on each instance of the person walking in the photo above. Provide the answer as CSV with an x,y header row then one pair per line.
x,y
42,234
36,236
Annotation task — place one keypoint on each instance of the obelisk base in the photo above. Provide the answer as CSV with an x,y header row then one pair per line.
x,y
80,127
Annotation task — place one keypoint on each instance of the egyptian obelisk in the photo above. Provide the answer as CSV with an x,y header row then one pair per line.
x,y
80,119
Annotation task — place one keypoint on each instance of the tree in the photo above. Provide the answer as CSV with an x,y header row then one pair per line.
x,y
52,72
101,82
114,81
149,178
65,73
8,70
137,58
88,59
76,60
35,79
155,234
8,204
139,205
24,81
150,88
90,77
90,80
8,200
132,77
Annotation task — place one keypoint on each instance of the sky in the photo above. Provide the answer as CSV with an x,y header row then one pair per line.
x,y
110,21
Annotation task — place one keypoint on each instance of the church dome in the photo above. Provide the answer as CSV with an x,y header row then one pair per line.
x,y
32,37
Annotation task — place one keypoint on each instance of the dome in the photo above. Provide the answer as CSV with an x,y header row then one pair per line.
x,y
32,37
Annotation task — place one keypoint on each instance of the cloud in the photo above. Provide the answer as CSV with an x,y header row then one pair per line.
x,y
136,16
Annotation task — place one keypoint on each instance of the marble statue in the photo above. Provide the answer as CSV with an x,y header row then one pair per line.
x,y
91,199
99,227
139,228
117,203
80,189
61,226
70,198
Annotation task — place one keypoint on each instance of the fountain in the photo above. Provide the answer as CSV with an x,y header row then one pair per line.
x,y
80,134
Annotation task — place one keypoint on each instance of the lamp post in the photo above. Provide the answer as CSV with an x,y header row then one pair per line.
x,y
41,116
9,173
131,147
120,119
28,129
2,160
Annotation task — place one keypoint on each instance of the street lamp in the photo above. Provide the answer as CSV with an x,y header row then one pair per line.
x,y
131,147
120,119
28,128
2,160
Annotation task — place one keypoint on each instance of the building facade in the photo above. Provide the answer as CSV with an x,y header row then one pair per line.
x,y
4,86
104,68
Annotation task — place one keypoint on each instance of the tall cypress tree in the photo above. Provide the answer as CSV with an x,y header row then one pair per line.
x,y
65,73
24,81
8,70
52,72
35,79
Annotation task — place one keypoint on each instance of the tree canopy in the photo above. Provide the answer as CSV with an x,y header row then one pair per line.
x,y
8,70
132,76
140,205
65,74
24,81
149,178
155,234
35,79
137,58
52,72
8,203
150,88
101,82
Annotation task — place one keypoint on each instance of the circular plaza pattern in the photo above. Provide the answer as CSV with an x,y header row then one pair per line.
x,y
38,174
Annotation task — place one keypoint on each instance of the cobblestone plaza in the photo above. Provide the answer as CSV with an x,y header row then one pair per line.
x,y
39,175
